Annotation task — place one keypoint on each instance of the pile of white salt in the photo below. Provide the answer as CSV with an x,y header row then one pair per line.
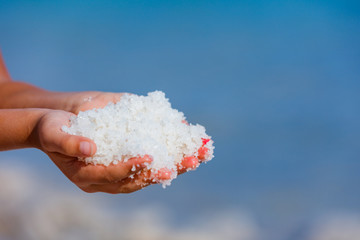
x,y
138,126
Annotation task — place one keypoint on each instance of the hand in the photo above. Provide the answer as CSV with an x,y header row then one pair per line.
x,y
64,150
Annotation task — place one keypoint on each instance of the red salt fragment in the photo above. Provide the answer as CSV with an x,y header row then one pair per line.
x,y
184,121
205,141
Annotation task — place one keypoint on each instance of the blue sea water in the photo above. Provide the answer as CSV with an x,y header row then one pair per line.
x,y
276,84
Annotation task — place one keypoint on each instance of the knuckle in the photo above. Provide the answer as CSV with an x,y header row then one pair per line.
x,y
67,145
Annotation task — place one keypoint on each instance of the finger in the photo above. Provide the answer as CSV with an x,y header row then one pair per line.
x,y
132,183
128,185
202,153
84,174
163,174
154,176
71,145
187,164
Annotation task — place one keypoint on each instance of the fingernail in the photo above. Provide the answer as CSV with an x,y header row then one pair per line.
x,y
85,148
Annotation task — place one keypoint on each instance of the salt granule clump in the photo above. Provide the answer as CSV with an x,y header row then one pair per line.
x,y
141,125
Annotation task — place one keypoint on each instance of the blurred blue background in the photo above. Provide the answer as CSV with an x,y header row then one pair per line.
x,y
275,83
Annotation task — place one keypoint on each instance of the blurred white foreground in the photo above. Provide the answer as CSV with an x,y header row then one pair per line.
x,y
31,209
35,210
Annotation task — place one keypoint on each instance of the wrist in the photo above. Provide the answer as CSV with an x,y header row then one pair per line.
x,y
36,116
18,128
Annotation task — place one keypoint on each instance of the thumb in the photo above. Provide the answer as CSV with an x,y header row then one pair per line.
x,y
75,146
53,139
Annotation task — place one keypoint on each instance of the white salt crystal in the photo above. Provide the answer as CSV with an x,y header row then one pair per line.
x,y
138,126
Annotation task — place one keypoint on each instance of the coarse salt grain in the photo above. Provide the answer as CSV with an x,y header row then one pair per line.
x,y
138,126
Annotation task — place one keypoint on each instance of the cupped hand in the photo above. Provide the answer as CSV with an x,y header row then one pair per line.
x,y
64,150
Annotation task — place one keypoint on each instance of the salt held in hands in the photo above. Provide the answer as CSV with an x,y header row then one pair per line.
x,y
142,125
